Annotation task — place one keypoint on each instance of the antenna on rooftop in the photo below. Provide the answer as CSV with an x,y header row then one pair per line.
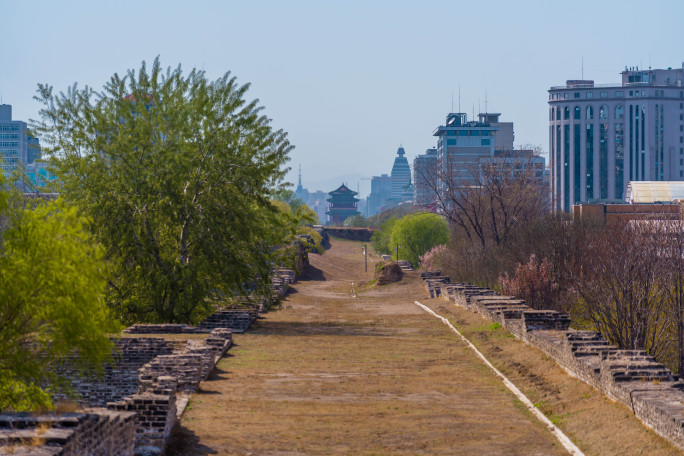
x,y
452,101
486,102
459,98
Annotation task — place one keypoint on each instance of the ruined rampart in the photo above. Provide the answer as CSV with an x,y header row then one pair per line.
x,y
631,377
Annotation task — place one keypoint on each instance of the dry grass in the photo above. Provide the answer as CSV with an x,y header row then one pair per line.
x,y
329,374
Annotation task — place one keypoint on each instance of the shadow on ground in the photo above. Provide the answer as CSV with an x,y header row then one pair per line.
x,y
312,273
184,442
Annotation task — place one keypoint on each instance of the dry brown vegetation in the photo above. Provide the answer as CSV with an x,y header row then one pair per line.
x,y
330,374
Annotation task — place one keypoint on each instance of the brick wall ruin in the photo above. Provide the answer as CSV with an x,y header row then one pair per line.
x,y
132,407
631,377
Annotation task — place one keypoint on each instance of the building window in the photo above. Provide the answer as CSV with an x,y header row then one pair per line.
x,y
681,117
603,112
485,142
590,113
619,112
590,95
565,95
451,142
604,94
577,112
566,113
643,93
577,94
619,94
558,113
631,93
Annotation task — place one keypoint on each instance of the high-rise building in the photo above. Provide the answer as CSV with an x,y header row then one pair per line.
x,y
603,136
401,174
461,147
425,174
17,146
381,191
504,136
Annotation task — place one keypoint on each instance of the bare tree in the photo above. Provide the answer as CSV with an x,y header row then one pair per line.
x,y
487,196
621,286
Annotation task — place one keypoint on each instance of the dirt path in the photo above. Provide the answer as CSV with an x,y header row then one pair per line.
x,y
331,374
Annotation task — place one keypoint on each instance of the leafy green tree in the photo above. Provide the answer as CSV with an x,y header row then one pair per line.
x,y
176,173
418,233
381,238
356,221
52,280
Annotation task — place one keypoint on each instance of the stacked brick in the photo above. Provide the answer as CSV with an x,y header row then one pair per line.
x,y
629,376
145,388
405,265
90,432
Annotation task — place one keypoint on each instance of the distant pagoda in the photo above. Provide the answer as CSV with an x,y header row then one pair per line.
x,y
342,205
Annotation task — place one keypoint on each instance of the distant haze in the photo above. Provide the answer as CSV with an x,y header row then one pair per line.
x,y
350,81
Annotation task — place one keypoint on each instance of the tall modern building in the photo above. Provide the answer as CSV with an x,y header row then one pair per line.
x,y
17,146
601,136
424,173
381,191
461,145
401,174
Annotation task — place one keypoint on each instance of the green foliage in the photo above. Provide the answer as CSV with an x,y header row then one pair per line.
x,y
52,279
381,238
317,238
418,233
177,173
304,214
378,220
356,221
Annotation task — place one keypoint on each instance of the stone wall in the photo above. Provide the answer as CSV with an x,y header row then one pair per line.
x,y
90,432
145,388
631,377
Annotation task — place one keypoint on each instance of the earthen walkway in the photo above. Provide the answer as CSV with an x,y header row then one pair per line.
x,y
376,375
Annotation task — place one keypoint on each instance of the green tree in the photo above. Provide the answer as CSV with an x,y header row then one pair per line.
x,y
52,280
356,221
177,173
381,238
418,233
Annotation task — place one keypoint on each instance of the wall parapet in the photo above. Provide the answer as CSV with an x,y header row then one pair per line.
x,y
631,377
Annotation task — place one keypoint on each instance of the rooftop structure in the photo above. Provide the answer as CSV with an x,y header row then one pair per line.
x,y
654,192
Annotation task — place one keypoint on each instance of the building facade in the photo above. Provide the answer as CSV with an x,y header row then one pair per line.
x,y
401,174
425,173
17,146
461,146
603,136
342,205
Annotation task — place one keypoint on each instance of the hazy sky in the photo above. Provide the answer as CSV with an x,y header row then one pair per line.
x,y
349,80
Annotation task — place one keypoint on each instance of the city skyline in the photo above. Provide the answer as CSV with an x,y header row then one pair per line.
x,y
350,82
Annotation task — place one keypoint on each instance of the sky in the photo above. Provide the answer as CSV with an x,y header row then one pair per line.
x,y
349,81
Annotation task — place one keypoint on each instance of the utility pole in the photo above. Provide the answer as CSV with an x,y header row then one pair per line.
x,y
397,251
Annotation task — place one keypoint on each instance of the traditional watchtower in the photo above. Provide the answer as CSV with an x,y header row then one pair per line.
x,y
342,205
